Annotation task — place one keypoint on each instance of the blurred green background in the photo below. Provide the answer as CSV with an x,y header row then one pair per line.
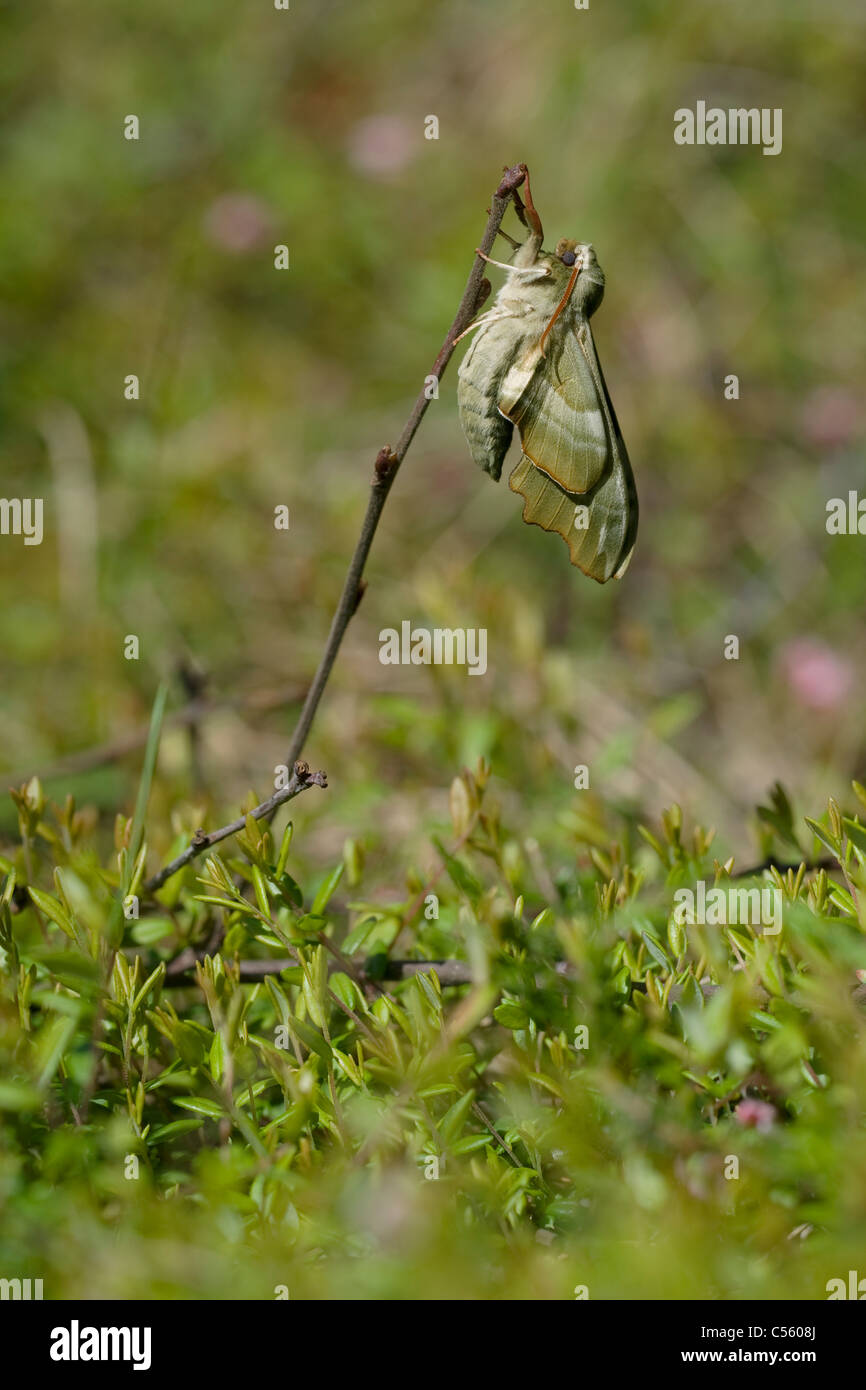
x,y
261,387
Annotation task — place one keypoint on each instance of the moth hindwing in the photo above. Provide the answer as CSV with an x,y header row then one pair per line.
x,y
533,364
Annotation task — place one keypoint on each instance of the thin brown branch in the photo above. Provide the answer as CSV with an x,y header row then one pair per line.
x,y
299,781
389,460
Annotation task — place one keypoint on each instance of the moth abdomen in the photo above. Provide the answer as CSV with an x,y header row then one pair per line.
x,y
488,433
479,380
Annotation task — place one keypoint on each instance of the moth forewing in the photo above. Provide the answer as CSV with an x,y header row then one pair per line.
x,y
562,426
597,518
516,381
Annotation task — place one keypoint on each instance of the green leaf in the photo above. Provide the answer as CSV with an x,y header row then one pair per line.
x,y
70,967
283,856
660,849
260,889
511,1015
310,922
216,1060
310,1038
470,1143
153,982
656,951
172,1130
327,890
345,988
779,816
378,932
856,833
148,767
151,929
200,1105
455,1117
359,933
53,1042
54,911
823,835
459,874
290,890
843,900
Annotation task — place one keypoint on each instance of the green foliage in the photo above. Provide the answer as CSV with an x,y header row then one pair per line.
x,y
565,1117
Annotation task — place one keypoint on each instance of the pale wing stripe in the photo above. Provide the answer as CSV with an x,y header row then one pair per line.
x,y
561,423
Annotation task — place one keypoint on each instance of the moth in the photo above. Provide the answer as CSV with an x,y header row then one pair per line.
x,y
533,364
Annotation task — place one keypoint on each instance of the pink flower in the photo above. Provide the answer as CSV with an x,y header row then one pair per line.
x,y
830,416
756,1114
818,676
237,222
381,146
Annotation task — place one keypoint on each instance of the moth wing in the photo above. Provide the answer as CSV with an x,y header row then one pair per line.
x,y
558,408
602,546
618,494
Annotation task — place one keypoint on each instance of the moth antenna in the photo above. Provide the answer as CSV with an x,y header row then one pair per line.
x,y
569,290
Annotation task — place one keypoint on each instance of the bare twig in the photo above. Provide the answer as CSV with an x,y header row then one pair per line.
x,y
827,861
299,781
389,460
450,972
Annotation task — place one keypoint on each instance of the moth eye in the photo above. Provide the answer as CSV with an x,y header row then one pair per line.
x,y
568,258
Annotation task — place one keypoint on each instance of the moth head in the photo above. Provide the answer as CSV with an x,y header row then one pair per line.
x,y
589,287
570,252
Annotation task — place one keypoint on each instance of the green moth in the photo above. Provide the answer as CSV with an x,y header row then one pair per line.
x,y
533,364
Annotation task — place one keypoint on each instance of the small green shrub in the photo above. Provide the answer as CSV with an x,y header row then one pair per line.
x,y
610,1100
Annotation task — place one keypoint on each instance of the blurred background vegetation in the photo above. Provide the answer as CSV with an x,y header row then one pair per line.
x,y
262,387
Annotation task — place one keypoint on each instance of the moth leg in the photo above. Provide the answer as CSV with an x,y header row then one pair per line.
x,y
528,215
509,239
532,215
540,272
483,322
